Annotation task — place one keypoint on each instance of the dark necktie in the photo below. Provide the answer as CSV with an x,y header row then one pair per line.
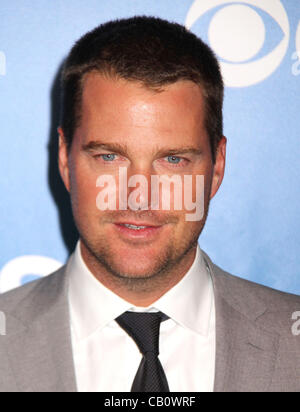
x,y
144,328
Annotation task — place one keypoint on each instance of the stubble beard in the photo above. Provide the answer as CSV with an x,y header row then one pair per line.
x,y
101,259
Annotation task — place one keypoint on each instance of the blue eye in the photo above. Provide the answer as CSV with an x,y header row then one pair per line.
x,y
174,159
108,157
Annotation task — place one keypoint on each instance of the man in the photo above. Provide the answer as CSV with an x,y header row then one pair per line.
x,y
139,306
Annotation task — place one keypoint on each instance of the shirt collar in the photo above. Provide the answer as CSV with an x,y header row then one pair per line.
x,y
93,306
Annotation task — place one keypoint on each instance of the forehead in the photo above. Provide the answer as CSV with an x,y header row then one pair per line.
x,y
124,108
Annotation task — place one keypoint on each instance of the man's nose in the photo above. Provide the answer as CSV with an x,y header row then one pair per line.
x,y
139,187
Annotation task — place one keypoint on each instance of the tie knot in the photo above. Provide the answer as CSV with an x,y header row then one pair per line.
x,y
143,329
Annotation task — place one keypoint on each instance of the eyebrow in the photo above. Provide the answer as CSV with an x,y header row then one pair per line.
x,y
123,150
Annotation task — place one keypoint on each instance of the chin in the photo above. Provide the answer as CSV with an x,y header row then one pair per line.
x,y
134,272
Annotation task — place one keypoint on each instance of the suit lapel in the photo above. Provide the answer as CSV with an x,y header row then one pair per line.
x,y
245,352
40,351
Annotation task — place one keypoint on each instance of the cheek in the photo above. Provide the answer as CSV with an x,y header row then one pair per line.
x,y
207,172
83,188
198,187
207,186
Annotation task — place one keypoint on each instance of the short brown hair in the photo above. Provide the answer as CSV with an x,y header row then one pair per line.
x,y
149,50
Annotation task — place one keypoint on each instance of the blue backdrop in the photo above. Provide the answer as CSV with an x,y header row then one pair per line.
x,y
253,229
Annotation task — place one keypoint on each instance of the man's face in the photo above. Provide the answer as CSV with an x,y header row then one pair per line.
x,y
124,124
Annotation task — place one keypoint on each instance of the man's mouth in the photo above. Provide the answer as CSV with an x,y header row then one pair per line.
x,y
134,230
134,227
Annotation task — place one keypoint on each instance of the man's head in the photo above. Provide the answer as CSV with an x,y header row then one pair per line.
x,y
145,95
147,50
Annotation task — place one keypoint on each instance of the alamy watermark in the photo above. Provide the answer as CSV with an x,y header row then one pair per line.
x,y
296,65
296,325
185,188
2,64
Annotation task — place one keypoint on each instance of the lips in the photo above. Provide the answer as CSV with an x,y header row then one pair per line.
x,y
135,227
137,230
138,224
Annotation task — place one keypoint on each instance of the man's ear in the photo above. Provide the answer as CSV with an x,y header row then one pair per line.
x,y
63,164
219,167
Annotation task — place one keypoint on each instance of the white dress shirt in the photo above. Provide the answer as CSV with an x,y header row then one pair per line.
x,y
106,358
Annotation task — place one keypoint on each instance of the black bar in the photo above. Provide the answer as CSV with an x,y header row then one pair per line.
x,y
138,401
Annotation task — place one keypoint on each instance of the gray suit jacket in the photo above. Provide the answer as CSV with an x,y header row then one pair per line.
x,y
256,349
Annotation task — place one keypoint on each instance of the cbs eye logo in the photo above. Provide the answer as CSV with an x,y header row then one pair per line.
x,y
25,269
237,33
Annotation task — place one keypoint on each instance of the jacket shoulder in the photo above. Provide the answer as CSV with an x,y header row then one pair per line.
x,y
17,298
273,299
271,309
